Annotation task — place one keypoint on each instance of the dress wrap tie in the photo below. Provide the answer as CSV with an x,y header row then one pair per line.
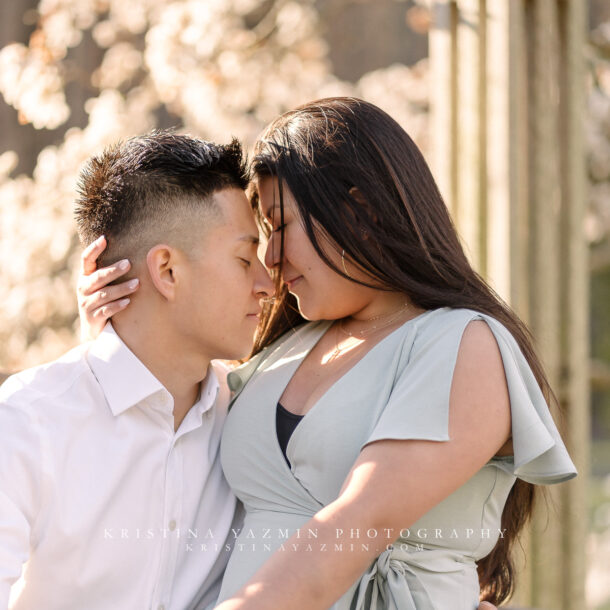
x,y
390,583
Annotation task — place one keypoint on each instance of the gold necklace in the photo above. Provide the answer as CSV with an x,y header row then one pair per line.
x,y
383,315
338,349
367,331
334,354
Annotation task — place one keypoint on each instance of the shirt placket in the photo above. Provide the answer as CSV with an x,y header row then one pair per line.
x,y
170,531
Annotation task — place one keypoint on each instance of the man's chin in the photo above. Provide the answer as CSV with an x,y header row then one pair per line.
x,y
238,352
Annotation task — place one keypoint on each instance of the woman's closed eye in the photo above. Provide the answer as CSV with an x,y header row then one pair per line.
x,y
245,261
278,229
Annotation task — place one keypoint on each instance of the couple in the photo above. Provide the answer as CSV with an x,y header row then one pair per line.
x,y
385,437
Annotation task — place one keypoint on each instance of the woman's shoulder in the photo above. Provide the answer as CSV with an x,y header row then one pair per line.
x,y
445,319
441,322
301,335
441,331
446,316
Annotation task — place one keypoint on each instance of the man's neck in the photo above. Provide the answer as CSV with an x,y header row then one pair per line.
x,y
180,371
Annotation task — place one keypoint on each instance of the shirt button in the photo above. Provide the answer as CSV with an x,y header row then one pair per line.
x,y
172,527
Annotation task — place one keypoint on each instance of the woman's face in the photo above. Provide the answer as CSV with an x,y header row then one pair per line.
x,y
322,293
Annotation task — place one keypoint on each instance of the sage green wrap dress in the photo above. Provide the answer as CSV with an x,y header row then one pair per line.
x,y
398,390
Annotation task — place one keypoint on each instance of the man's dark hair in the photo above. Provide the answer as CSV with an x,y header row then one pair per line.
x,y
148,188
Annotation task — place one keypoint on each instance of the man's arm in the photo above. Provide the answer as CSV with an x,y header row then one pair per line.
x,y
20,488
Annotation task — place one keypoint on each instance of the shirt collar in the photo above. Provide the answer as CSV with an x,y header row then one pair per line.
x,y
210,387
124,379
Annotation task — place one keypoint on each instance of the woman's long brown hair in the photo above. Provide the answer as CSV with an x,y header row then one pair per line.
x,y
361,183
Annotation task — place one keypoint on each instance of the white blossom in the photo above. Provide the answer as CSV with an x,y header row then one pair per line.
x,y
223,68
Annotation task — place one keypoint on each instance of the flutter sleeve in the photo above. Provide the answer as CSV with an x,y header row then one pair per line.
x,y
418,406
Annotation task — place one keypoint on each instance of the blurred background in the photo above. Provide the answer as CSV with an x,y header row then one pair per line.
x,y
509,101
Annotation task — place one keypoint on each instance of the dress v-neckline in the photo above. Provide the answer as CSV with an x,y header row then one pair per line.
x,y
316,339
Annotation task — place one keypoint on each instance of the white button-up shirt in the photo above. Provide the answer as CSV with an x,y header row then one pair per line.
x,y
101,502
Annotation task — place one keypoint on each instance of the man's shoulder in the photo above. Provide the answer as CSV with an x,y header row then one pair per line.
x,y
45,381
222,368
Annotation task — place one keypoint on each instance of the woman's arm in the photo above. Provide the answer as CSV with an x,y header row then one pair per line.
x,y
97,301
392,484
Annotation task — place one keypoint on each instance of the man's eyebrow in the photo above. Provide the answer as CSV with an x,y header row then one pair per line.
x,y
253,239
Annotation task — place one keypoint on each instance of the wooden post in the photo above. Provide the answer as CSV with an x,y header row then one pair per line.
x,y
469,205
443,99
507,106
544,306
575,306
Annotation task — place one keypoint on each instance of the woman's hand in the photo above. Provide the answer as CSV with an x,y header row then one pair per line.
x,y
97,301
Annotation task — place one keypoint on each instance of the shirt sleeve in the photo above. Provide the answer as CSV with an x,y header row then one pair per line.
x,y
418,406
20,485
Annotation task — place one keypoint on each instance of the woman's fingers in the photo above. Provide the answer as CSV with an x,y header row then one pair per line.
x,y
90,255
88,284
98,297
93,321
109,294
107,311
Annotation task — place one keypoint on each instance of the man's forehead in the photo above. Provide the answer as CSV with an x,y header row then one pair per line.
x,y
238,223
229,192
250,238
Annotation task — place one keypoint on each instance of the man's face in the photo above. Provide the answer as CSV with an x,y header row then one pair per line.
x,y
223,280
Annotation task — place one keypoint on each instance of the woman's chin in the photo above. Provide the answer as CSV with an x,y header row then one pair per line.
x,y
311,314
302,306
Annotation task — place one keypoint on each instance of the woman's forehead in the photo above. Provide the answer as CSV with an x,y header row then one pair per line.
x,y
269,195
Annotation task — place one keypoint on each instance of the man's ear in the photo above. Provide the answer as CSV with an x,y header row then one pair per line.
x,y
160,261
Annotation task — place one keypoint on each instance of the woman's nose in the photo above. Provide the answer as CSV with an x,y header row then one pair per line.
x,y
263,285
272,253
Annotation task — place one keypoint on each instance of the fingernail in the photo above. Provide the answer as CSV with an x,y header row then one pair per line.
x,y
124,264
133,283
124,302
100,239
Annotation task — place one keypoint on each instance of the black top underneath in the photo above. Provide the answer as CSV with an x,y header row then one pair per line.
x,y
285,423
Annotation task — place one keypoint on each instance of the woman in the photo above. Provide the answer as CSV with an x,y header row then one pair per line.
x,y
386,451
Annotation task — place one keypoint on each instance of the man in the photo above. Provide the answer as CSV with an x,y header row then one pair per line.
x,y
111,491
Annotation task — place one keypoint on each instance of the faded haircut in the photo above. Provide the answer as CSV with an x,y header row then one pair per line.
x,y
152,189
